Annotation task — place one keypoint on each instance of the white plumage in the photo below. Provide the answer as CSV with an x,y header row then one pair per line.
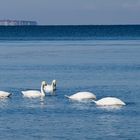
x,y
50,88
35,93
4,94
81,96
109,101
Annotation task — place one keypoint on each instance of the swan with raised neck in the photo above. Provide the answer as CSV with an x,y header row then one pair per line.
x,y
50,88
35,93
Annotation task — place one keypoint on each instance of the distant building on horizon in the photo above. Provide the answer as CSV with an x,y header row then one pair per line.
x,y
17,23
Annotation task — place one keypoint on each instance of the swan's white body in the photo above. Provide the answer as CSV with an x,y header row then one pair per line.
x,y
32,93
35,93
4,94
79,96
109,101
50,88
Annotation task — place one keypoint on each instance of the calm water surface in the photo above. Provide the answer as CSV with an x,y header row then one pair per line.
x,y
106,68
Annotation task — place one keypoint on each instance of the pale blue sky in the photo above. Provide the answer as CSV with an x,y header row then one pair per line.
x,y
53,12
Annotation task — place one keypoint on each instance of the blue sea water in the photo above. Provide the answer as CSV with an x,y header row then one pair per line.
x,y
107,67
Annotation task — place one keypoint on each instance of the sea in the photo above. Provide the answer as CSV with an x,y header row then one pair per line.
x,y
102,59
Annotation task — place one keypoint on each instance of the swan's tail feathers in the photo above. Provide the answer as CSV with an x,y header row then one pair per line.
x,y
123,103
67,96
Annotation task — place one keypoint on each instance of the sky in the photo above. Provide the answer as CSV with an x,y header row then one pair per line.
x,y
72,12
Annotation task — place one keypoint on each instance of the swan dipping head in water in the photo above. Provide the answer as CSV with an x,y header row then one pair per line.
x,y
109,101
80,96
35,93
4,94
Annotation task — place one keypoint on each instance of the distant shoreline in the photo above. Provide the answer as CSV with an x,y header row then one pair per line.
x,y
9,22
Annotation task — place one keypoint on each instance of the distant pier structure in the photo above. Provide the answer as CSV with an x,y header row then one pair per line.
x,y
17,23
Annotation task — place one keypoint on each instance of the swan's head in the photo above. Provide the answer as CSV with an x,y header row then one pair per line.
x,y
44,83
54,82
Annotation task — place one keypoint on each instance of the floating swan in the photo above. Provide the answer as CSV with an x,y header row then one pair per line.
x,y
79,96
35,93
50,88
109,101
4,94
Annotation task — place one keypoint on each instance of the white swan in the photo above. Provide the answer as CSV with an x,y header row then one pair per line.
x,y
4,94
79,96
50,88
35,93
109,101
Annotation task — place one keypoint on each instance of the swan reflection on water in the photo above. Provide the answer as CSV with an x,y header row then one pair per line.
x,y
34,102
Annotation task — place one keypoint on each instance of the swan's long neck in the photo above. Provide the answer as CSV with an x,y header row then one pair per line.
x,y
66,96
53,85
42,90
